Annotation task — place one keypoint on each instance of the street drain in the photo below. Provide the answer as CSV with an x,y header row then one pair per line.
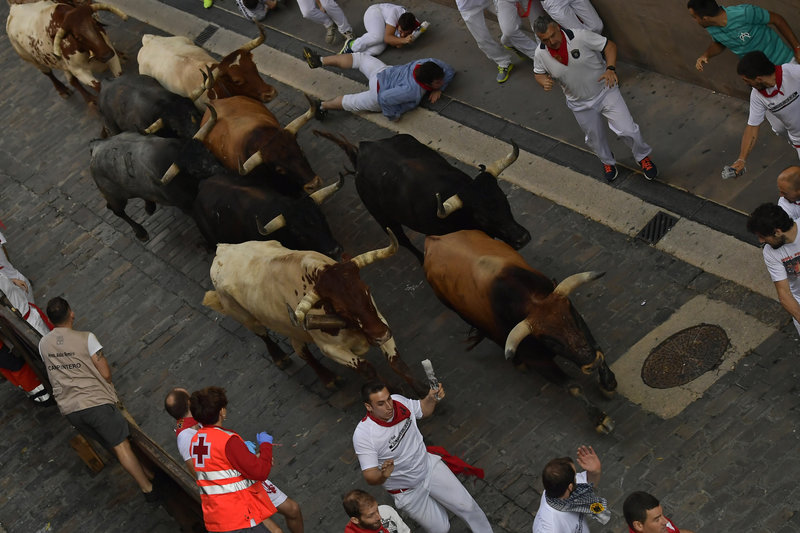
x,y
658,226
206,34
685,356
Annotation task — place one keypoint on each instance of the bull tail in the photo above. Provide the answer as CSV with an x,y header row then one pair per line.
x,y
350,149
211,300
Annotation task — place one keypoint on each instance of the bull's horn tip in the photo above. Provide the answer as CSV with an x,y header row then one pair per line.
x,y
509,354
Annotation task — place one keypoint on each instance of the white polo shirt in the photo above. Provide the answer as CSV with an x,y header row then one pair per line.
x,y
783,104
791,208
578,78
402,442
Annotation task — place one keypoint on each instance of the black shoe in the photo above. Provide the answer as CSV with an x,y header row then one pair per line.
x,y
649,169
319,113
153,496
610,172
312,58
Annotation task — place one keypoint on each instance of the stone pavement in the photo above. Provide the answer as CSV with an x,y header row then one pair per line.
x,y
724,463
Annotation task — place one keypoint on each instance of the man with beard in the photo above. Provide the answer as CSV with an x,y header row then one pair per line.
x,y
775,89
774,227
391,453
366,515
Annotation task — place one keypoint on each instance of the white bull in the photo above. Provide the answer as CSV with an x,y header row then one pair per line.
x,y
328,304
64,37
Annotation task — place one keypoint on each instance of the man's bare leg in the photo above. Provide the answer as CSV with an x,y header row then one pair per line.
x,y
131,464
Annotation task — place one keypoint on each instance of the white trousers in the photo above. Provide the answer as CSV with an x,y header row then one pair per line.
x,y
476,24
333,14
367,100
609,105
372,42
510,22
574,14
441,490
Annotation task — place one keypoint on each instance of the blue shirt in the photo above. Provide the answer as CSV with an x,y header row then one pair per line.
x,y
747,31
398,92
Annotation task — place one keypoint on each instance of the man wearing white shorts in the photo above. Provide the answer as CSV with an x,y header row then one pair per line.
x,y
774,89
775,228
574,14
391,453
393,90
472,13
177,405
590,84
386,24
331,16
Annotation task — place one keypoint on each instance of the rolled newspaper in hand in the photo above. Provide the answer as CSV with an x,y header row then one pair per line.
x,y
428,368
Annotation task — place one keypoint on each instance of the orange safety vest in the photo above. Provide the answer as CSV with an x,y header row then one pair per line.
x,y
230,501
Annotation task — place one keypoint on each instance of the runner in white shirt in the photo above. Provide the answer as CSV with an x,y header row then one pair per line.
x,y
775,89
386,24
391,453
789,189
12,273
472,11
775,228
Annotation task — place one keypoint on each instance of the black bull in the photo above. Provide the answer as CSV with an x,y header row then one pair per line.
x,y
405,183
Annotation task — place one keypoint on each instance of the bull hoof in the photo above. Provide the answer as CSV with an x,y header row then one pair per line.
x,y
335,384
605,426
607,394
283,363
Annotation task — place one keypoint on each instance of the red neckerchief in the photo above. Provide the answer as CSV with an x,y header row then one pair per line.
x,y
184,423
401,412
560,53
352,528
524,14
778,83
424,86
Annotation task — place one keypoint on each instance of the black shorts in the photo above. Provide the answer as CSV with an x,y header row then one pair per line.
x,y
103,423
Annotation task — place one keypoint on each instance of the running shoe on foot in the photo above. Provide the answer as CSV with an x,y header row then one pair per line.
x,y
319,112
503,72
649,168
348,47
208,3
610,172
312,58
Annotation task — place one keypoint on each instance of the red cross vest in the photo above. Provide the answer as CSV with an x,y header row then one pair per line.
x,y
230,501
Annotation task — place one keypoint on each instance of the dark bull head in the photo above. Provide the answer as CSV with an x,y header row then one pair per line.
x,y
84,32
341,293
203,155
486,204
554,322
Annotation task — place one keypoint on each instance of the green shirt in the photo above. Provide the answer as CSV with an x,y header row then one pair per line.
x,y
747,31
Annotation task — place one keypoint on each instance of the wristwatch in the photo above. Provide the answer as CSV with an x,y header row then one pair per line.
x,y
611,68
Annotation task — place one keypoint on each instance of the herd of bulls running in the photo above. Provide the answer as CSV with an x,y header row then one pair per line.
x,y
192,132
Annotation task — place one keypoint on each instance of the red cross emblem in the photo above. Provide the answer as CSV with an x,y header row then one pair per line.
x,y
201,451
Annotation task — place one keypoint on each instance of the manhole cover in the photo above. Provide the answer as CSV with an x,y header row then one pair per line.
x,y
685,356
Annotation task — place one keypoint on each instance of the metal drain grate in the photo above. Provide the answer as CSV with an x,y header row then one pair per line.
x,y
206,34
658,226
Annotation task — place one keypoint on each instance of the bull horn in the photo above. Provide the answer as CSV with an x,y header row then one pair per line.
x,y
305,305
203,131
155,126
272,226
574,281
112,9
443,210
255,42
300,121
326,192
516,336
252,162
327,321
57,41
171,172
503,163
208,82
366,258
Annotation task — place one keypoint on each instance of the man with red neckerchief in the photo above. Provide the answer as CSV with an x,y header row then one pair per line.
x,y
775,89
393,90
391,453
366,516
643,514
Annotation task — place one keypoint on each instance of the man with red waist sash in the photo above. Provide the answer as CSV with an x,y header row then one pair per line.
x,y
391,453
228,474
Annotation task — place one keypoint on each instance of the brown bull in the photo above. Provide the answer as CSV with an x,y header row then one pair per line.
x,y
249,138
65,37
493,289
